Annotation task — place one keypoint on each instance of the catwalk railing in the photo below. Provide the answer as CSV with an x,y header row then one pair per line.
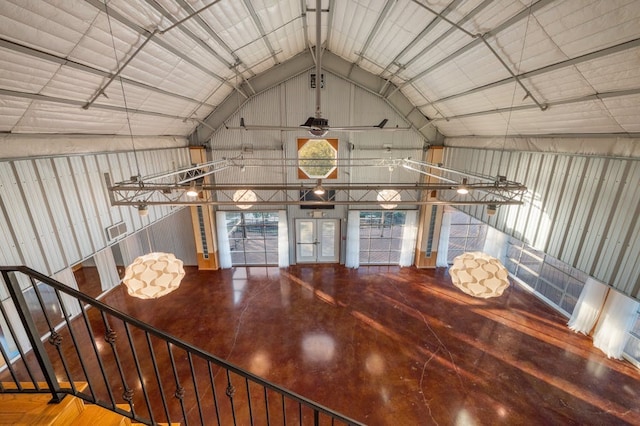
x,y
54,337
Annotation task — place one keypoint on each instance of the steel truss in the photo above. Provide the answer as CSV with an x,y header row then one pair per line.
x,y
436,185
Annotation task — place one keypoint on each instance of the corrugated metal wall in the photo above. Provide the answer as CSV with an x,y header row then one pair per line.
x,y
54,211
579,209
289,104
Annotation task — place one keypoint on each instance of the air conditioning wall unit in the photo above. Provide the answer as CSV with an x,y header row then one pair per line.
x,y
116,231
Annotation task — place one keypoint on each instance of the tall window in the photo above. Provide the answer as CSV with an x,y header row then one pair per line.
x,y
253,238
467,234
632,349
557,282
381,237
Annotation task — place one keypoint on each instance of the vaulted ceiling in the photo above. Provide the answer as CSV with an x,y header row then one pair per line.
x,y
463,67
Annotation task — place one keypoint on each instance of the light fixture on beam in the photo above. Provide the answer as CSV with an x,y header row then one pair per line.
x,y
143,210
463,189
319,190
193,190
491,209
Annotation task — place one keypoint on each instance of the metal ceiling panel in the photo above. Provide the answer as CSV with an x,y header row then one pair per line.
x,y
14,67
50,27
12,111
613,72
65,51
625,111
580,27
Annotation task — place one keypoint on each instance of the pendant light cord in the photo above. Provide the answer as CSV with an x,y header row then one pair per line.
x,y
124,96
515,87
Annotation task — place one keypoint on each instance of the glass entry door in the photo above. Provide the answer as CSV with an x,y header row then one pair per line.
x,y
317,240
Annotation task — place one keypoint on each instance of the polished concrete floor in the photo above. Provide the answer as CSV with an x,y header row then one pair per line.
x,y
394,346
398,346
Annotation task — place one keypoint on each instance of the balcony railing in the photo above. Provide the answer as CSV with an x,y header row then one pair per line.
x,y
64,337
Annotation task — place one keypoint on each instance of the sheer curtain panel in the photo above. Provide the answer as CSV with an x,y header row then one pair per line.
x,y
587,310
616,319
283,239
443,243
409,234
107,269
352,259
224,249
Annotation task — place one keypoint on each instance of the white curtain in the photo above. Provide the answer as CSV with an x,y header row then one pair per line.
x,y
616,319
409,234
70,303
283,239
443,243
107,269
131,247
352,259
495,244
587,310
224,249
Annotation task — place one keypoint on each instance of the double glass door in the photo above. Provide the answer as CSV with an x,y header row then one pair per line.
x,y
317,240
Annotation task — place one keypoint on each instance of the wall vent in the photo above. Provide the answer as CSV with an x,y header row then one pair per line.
x,y
117,230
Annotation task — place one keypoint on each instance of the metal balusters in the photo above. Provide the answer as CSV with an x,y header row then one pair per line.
x,y
284,412
266,404
316,417
230,391
87,376
195,387
137,332
36,345
55,339
157,373
139,370
213,389
179,394
249,401
98,357
5,355
110,337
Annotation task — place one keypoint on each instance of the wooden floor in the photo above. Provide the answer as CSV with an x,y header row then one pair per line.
x,y
397,346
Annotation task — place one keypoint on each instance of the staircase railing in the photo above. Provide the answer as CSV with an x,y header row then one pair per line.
x,y
65,337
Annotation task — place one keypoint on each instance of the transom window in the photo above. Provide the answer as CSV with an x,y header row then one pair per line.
x,y
317,158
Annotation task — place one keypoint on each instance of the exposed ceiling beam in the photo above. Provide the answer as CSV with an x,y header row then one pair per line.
x,y
54,99
331,63
631,135
260,27
9,45
372,33
517,17
548,68
145,33
330,21
446,34
586,98
188,32
396,60
261,82
305,24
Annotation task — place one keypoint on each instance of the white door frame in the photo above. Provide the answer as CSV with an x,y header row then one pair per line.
x,y
317,240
